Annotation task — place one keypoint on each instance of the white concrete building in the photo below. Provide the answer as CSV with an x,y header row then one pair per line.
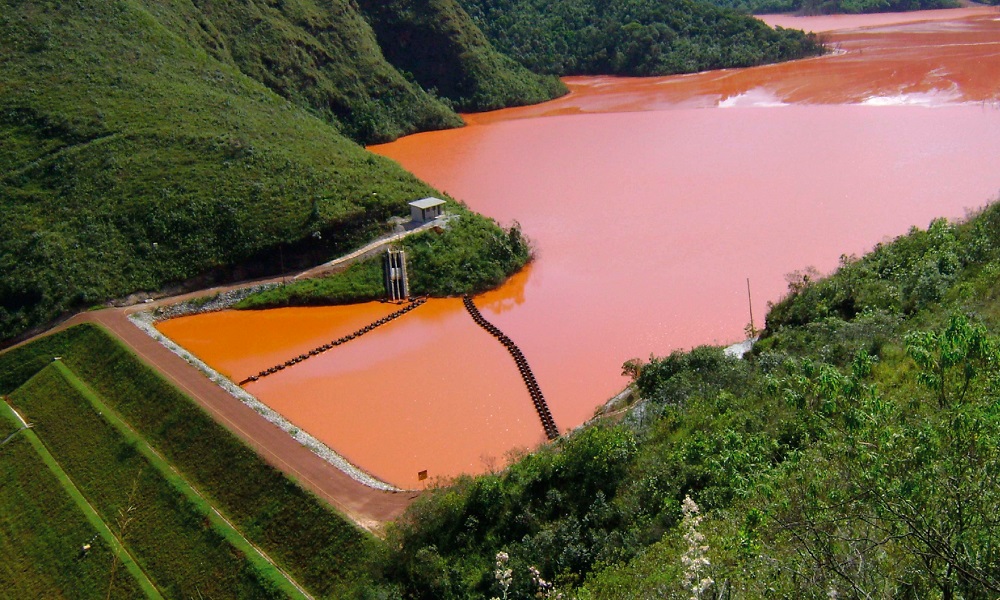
x,y
426,209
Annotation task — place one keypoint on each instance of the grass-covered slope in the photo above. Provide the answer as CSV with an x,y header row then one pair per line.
x,y
42,542
143,143
361,282
640,37
317,546
324,57
167,535
853,454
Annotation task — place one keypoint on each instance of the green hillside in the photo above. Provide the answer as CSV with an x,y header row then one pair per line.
x,y
322,56
325,57
638,37
145,143
853,454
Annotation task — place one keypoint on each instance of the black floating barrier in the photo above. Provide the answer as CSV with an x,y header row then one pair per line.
x,y
544,415
343,340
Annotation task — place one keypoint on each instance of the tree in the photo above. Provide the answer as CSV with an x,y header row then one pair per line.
x,y
951,361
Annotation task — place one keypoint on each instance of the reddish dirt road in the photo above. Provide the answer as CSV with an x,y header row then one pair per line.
x,y
367,507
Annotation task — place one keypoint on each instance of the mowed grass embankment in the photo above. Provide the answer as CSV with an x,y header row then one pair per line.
x,y
260,562
43,530
318,547
173,541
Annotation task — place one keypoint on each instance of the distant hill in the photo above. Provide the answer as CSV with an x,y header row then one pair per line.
x,y
639,37
437,44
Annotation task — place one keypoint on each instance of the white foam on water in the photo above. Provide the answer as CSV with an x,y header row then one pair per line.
x,y
949,97
757,98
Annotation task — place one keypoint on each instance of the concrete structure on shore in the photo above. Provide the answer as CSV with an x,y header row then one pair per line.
x,y
426,209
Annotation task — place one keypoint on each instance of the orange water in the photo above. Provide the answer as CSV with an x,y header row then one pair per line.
x,y
650,202
430,390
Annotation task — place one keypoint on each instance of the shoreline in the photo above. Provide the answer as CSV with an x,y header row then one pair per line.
x,y
844,21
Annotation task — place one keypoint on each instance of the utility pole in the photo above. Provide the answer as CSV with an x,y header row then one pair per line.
x,y
281,258
753,330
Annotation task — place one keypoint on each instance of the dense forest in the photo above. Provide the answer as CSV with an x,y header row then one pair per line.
x,y
853,453
639,37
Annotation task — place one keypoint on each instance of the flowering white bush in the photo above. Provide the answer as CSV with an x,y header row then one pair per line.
x,y
694,558
503,574
546,589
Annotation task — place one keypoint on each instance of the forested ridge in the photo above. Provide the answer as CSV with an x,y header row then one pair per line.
x,y
638,37
820,7
853,453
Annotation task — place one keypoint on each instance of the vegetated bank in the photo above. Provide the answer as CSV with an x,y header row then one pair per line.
x,y
307,538
469,254
644,37
146,143
853,453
